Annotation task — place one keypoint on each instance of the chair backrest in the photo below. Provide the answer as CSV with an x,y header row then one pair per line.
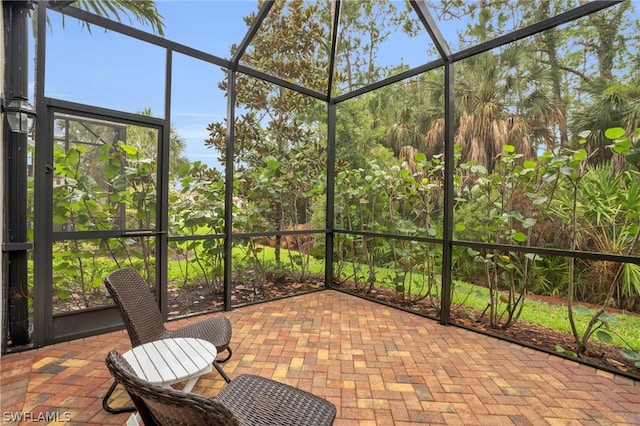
x,y
136,304
158,405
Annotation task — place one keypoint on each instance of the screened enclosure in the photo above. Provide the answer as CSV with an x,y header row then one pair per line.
x,y
473,162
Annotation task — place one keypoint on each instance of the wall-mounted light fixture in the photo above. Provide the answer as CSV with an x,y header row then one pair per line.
x,y
20,114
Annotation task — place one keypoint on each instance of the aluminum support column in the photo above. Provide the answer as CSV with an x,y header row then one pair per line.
x,y
15,249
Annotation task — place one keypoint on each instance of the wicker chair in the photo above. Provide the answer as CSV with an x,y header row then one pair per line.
x,y
246,400
144,322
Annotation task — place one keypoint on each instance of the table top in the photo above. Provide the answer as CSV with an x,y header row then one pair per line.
x,y
168,361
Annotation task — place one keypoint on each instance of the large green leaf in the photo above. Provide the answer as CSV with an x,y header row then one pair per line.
x,y
604,336
630,354
519,237
614,133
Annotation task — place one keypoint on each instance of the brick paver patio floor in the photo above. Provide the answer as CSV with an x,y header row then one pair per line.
x,y
378,365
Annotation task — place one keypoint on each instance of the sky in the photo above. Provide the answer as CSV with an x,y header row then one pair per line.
x,y
110,70
113,71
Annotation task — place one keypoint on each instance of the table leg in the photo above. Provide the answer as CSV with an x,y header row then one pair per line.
x,y
190,384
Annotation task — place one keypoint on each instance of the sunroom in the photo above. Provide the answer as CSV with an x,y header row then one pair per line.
x,y
471,163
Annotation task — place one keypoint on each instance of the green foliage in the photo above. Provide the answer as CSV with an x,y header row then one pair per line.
x,y
358,138
144,11
600,214
121,194
632,355
496,209
629,147
389,173
400,199
608,331
280,155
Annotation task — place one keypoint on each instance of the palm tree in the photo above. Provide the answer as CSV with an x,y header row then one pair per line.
x,y
491,109
490,116
146,139
613,105
502,98
144,11
416,105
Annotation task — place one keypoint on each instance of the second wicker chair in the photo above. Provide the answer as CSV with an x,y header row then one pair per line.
x,y
247,400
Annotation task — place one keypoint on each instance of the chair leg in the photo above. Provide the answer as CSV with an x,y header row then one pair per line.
x,y
116,410
222,373
225,359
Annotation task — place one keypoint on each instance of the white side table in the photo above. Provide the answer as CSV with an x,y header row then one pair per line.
x,y
169,361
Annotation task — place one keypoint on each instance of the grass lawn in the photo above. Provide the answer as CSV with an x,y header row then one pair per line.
x,y
625,328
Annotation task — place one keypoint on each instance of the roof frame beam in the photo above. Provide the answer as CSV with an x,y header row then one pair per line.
x,y
390,80
431,26
538,27
280,82
419,7
118,27
334,46
109,24
253,29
